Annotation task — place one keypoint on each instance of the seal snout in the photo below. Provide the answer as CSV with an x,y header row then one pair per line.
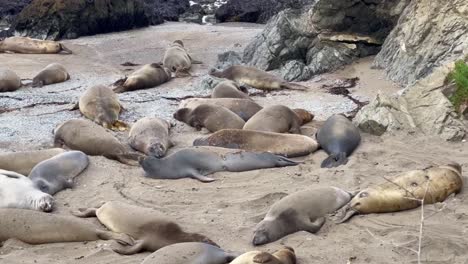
x,y
47,204
157,150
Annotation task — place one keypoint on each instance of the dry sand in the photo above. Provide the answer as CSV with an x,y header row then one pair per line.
x,y
228,209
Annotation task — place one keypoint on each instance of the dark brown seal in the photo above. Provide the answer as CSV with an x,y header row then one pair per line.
x,y
211,117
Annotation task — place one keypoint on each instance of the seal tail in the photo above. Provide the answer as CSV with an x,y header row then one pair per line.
x,y
294,86
65,50
119,88
334,160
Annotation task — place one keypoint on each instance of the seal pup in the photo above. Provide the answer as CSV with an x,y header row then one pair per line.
x,y
190,253
211,117
339,138
9,81
18,191
406,191
57,173
52,73
288,145
197,162
92,139
148,76
23,162
35,228
301,211
100,104
150,135
32,46
177,59
230,89
245,108
285,255
255,78
151,229
279,119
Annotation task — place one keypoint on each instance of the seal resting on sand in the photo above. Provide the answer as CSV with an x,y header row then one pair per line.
x,y
148,76
150,135
52,73
9,81
178,60
285,255
209,116
245,108
32,46
229,89
23,162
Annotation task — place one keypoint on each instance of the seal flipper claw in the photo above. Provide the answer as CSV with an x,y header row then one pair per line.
x,y
130,250
283,161
334,160
202,178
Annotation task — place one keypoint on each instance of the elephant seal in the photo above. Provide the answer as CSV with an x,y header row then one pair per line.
x,y
255,78
32,46
178,60
406,191
92,139
211,117
301,211
150,136
190,253
339,138
35,228
150,228
148,76
285,255
100,104
57,173
52,73
288,145
245,108
18,191
9,81
197,162
279,119
229,89
23,162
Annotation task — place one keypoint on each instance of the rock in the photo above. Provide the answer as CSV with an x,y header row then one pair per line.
x,y
169,10
194,14
56,19
8,12
295,71
207,82
228,59
429,34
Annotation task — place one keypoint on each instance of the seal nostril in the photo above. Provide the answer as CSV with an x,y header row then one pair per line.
x,y
414,184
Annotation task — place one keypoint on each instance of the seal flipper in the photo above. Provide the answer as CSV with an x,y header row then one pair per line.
x,y
313,227
293,86
130,250
65,50
348,213
121,238
263,257
202,178
334,160
75,106
85,212
283,162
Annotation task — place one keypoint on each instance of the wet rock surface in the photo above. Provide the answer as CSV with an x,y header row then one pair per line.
x,y
169,10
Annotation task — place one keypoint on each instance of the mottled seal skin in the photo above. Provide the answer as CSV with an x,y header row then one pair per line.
x,y
255,78
301,211
285,255
52,73
230,89
211,117
102,105
35,228
9,81
23,162
190,253
288,145
150,135
406,190
178,60
244,108
57,173
149,228
148,76
339,138
198,162
279,119
32,46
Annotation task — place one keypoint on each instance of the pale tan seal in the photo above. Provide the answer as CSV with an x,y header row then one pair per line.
x,y
301,211
285,255
148,76
32,46
255,78
150,135
209,116
102,105
279,119
244,108
288,145
23,162
52,73
178,60
9,81
230,89
151,229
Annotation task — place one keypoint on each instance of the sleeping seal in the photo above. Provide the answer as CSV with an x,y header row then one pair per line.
x,y
23,162
52,73
285,255
148,76
211,117
230,89
245,108
9,81
150,136
32,46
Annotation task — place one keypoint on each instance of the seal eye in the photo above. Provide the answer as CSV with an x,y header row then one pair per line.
x,y
363,194
414,184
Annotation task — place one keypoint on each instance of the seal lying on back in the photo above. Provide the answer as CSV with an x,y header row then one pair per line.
x,y
57,173
285,255
32,46
150,228
287,145
230,89
52,73
255,78
212,117
18,191
148,76
178,60
190,253
35,228
150,136
279,119
301,211
339,138
23,162
245,108
198,162
9,81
